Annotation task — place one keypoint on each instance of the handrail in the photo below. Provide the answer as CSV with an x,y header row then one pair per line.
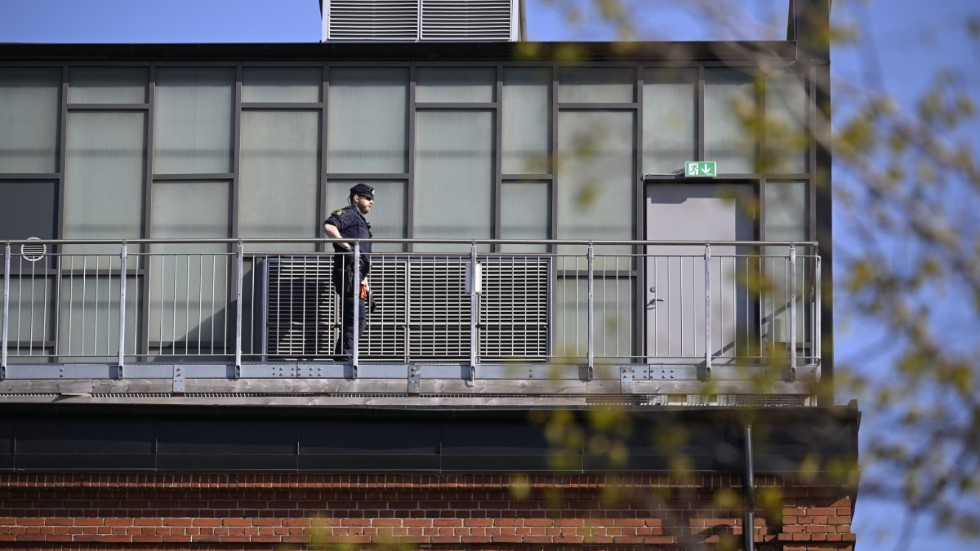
x,y
232,241
698,316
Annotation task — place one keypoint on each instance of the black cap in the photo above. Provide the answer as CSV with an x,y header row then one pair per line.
x,y
363,190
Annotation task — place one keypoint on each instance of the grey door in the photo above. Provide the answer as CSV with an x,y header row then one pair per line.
x,y
679,306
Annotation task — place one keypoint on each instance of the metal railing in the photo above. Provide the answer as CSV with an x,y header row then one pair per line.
x,y
268,302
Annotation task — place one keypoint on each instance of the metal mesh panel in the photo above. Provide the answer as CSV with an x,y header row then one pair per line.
x,y
423,311
301,320
439,309
385,337
514,309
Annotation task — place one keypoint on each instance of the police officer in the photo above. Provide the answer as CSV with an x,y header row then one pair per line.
x,y
350,222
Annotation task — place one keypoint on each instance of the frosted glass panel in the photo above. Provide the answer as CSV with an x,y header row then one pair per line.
x,y
454,175
524,208
595,177
107,85
526,121
729,96
669,115
193,120
596,85
29,112
785,219
455,84
104,177
190,209
367,121
387,217
785,211
281,84
786,137
279,176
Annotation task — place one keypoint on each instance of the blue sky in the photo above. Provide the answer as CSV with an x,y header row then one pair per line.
x,y
901,35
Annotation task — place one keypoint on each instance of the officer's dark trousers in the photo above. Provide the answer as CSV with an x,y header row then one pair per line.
x,y
345,344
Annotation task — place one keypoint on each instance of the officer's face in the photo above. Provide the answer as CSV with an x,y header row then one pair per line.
x,y
363,203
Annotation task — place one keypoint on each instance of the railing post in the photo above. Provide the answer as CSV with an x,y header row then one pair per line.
x,y
706,371
791,371
356,343
239,294
590,360
474,313
121,354
6,311
816,337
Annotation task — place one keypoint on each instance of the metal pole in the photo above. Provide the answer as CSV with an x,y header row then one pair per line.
x,y
707,312
474,313
239,294
355,353
792,313
748,490
817,332
591,315
6,311
121,355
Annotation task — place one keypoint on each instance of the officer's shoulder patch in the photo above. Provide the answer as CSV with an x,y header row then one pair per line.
x,y
339,212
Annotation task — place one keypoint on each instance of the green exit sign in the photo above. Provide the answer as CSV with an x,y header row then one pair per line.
x,y
700,169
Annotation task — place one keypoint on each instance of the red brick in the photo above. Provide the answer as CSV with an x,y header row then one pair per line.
x,y
418,509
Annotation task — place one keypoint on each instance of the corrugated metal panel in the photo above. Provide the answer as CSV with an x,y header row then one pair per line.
x,y
373,20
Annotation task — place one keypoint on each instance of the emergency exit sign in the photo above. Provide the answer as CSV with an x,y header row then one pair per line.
x,y
700,169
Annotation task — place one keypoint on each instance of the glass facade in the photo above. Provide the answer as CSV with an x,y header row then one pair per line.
x,y
506,150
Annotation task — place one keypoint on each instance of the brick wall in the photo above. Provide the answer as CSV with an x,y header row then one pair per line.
x,y
479,512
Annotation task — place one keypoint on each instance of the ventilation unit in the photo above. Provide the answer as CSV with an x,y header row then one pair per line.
x,y
423,310
422,20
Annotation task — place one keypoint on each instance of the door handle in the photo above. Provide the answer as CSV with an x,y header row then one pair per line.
x,y
652,303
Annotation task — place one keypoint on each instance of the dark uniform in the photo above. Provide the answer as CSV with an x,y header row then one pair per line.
x,y
351,223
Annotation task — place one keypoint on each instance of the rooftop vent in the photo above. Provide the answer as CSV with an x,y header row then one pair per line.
x,y
421,20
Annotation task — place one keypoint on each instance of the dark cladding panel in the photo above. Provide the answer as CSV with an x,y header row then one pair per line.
x,y
227,436
500,445
98,436
391,443
367,436
226,444
654,444
783,448
70,438
82,444
374,462
6,444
